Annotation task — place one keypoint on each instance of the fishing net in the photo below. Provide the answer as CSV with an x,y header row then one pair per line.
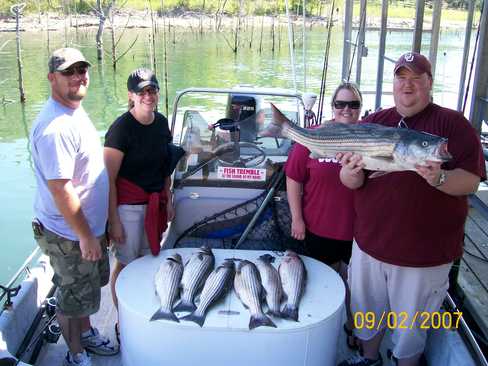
x,y
271,230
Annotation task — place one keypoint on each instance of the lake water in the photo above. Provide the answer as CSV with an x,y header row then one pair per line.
x,y
193,61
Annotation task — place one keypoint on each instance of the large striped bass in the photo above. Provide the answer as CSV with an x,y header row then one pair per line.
x,y
293,277
216,285
270,279
382,148
197,268
248,288
167,283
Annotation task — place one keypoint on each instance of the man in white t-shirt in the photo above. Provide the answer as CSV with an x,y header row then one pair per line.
x,y
71,204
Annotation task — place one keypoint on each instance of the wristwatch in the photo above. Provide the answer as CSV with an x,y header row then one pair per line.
x,y
442,179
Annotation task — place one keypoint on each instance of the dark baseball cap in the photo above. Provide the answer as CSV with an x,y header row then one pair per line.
x,y
140,78
414,62
63,58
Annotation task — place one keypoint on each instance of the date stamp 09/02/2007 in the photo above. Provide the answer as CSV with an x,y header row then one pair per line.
x,y
404,320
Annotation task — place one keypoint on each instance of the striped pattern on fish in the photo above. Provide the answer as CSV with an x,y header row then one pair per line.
x,y
216,285
167,283
270,279
248,288
382,148
196,270
293,278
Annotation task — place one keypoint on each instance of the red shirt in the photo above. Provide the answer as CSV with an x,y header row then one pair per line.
x,y
400,218
326,203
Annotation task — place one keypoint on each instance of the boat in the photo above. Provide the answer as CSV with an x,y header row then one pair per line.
x,y
231,181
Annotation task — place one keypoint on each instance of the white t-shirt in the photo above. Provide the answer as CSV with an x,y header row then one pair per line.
x,y
66,145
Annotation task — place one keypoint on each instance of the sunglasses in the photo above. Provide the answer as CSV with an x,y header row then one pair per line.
x,y
70,71
149,91
341,104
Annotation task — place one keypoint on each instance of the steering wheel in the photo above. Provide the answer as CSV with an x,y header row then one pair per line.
x,y
229,154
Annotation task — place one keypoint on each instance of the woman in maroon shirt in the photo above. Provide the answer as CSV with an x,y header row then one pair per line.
x,y
321,207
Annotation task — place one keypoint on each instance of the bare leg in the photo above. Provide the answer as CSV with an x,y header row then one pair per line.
x,y
113,279
411,361
371,348
85,324
71,330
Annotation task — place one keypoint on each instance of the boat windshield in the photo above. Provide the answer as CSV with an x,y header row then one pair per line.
x,y
220,134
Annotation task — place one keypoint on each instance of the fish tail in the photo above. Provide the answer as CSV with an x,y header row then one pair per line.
x,y
185,306
260,320
290,312
161,314
279,122
196,318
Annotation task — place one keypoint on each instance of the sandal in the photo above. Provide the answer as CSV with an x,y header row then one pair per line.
x,y
351,340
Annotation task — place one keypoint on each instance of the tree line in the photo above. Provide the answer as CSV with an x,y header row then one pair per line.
x,y
231,7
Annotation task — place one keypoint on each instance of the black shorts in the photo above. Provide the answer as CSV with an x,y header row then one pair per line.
x,y
326,250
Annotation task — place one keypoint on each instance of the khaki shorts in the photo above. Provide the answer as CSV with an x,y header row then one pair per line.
x,y
136,244
78,281
384,290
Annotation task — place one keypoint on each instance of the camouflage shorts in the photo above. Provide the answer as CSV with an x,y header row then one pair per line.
x,y
78,281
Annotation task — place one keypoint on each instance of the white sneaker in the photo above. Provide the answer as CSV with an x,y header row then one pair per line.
x,y
98,344
79,359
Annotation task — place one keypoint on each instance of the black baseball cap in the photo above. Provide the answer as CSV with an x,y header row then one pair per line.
x,y
140,78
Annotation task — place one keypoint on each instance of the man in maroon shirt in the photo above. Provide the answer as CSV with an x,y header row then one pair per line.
x,y
409,225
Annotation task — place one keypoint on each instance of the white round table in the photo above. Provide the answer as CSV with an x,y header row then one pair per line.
x,y
225,338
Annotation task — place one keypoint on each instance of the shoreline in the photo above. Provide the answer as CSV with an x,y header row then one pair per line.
x,y
192,21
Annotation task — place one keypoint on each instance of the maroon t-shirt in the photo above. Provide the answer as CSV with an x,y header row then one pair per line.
x,y
326,204
400,218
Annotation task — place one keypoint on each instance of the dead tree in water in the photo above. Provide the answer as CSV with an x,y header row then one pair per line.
x,y
261,38
252,32
101,12
17,11
218,14
115,43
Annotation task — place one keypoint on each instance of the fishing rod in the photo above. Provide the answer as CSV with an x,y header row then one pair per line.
x,y
268,197
326,65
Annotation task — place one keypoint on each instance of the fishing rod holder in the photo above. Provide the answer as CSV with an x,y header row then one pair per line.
x,y
50,306
10,292
52,333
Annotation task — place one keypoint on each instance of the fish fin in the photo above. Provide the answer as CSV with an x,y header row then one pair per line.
x,y
196,318
161,314
377,174
185,306
290,312
260,320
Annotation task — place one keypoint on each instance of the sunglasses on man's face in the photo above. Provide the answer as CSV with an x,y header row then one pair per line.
x,y
149,91
341,104
70,71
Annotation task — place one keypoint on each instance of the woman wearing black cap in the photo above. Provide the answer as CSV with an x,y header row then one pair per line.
x,y
137,156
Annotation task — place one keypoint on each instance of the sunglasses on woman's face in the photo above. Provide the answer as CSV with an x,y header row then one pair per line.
x,y
341,104
70,71
149,91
